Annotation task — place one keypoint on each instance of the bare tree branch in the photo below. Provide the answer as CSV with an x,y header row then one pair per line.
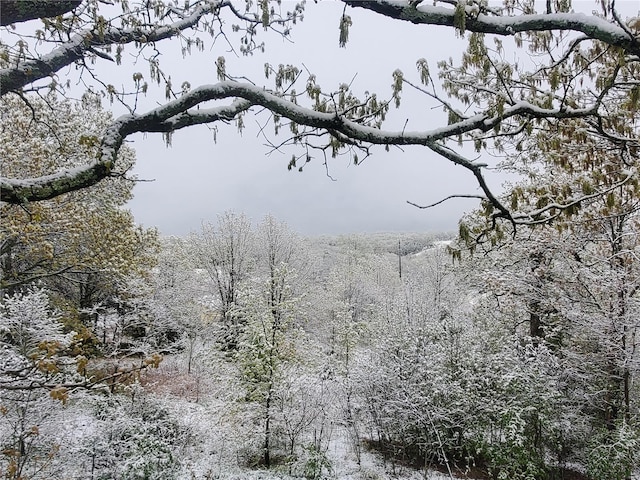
x,y
461,195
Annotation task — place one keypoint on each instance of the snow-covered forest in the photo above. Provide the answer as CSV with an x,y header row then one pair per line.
x,y
248,351
506,350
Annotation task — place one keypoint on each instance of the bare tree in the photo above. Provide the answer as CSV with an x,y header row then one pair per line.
x,y
225,253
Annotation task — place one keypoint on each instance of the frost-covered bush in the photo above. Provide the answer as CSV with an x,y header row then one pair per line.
x,y
32,366
133,437
317,465
614,455
447,392
27,322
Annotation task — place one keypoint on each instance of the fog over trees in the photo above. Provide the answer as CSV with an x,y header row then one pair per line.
x,y
508,350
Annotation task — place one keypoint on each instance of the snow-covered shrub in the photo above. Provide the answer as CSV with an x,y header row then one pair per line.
x,y
449,393
33,365
317,465
28,324
134,437
615,454
29,441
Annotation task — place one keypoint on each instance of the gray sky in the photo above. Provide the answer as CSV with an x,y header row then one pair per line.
x,y
197,178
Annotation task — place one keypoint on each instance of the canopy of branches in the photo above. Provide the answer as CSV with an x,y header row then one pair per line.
x,y
575,85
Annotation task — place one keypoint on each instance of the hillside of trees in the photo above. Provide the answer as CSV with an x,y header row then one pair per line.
x,y
247,351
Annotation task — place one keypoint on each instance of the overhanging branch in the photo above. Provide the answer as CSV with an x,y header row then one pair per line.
x,y
592,26
180,113
29,71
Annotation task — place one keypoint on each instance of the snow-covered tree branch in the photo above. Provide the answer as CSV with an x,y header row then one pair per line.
x,y
100,37
178,114
477,16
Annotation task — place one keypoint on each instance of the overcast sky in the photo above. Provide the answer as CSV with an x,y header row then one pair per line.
x,y
196,178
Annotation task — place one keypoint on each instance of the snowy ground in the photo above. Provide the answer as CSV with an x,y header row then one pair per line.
x,y
218,425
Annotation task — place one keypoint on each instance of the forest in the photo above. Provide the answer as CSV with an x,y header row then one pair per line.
x,y
506,350
247,351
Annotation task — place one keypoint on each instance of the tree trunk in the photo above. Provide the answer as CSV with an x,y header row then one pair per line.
x,y
267,429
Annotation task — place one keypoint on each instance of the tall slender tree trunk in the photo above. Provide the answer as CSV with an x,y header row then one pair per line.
x,y
267,428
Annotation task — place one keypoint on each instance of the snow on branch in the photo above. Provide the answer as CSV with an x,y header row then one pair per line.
x,y
80,44
592,26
